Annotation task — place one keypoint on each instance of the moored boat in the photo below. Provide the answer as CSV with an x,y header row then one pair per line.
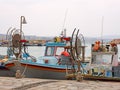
x,y
104,62
58,61
46,66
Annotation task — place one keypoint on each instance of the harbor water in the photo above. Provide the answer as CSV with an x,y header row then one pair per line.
x,y
38,51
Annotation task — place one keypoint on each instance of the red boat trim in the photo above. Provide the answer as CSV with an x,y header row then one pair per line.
x,y
38,67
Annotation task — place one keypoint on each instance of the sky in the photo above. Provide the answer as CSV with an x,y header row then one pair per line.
x,y
49,17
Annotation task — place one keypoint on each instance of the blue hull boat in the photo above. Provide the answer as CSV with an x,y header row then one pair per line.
x,y
62,57
52,65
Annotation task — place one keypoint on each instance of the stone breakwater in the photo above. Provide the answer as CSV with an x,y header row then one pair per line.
x,y
11,83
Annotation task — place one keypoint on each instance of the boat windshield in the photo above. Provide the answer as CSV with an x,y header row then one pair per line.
x,y
50,51
59,50
54,51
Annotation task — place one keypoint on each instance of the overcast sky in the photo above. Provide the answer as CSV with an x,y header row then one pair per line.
x,y
46,17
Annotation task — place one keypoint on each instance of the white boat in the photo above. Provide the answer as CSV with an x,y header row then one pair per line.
x,y
104,63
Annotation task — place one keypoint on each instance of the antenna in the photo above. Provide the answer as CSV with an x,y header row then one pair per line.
x,y
65,19
102,29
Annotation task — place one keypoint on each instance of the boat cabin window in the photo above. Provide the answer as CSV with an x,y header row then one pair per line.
x,y
59,50
49,51
102,57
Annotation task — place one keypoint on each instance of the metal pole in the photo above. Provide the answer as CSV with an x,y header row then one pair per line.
x,y
64,19
20,47
21,24
102,31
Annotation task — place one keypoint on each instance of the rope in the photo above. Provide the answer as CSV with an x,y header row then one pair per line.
x,y
24,70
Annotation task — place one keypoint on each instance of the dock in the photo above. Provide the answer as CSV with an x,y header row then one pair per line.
x,y
11,83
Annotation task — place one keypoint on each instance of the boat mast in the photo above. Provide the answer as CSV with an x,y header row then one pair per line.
x,y
102,30
63,28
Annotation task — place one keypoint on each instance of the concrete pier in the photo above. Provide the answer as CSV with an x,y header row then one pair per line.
x,y
11,83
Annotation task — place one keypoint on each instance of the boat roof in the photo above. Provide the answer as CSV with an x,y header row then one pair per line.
x,y
55,44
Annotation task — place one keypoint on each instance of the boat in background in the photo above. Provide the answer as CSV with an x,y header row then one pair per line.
x,y
104,62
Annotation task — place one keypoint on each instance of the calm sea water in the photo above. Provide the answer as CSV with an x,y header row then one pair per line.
x,y
38,51
35,51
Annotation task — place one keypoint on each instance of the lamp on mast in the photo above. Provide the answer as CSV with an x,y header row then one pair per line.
x,y
22,21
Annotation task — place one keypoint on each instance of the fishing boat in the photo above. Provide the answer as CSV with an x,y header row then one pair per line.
x,y
104,62
53,65
45,67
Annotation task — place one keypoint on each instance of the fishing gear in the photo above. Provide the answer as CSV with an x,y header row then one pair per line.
x,y
77,48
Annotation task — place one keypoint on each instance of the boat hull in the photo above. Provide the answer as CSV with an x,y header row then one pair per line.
x,y
6,72
35,71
